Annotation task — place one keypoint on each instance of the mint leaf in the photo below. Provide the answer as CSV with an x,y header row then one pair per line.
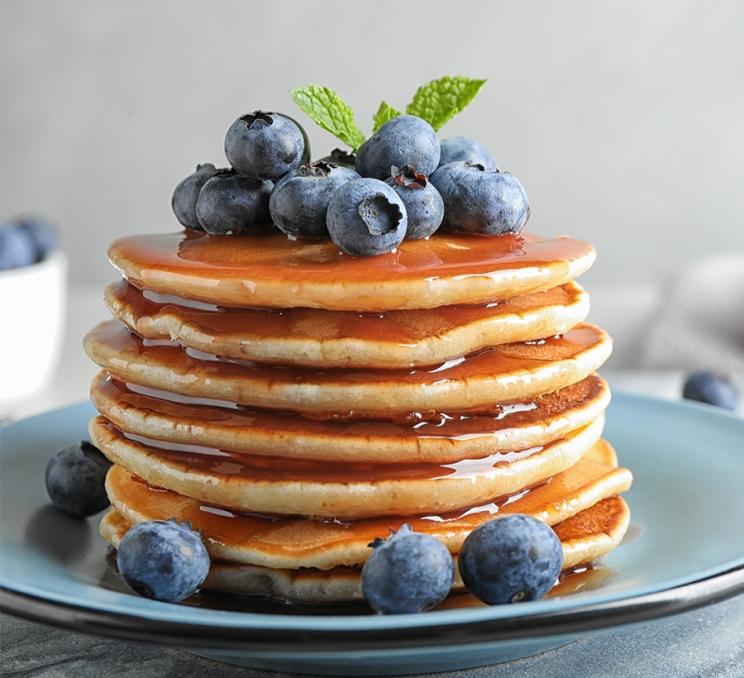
x,y
440,100
384,113
329,111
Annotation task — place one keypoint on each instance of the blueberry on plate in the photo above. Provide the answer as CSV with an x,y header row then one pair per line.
x,y
408,572
265,145
299,201
424,205
480,200
465,149
75,478
366,217
186,194
341,158
511,560
163,559
231,203
405,140
711,388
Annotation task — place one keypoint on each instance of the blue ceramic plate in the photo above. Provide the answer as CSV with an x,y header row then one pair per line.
x,y
686,549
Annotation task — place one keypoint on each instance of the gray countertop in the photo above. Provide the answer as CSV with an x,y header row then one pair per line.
x,y
700,643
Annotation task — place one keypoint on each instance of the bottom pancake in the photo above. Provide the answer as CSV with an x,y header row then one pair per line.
x,y
585,537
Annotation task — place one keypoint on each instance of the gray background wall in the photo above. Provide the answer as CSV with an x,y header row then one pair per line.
x,y
623,119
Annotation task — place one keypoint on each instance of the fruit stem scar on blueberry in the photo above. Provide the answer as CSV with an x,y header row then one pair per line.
x,y
404,529
379,214
518,597
257,116
320,168
408,177
477,165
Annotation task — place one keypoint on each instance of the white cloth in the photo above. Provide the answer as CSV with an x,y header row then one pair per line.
x,y
700,321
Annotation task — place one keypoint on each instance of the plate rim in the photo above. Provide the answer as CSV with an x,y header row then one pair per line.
x,y
581,619
717,583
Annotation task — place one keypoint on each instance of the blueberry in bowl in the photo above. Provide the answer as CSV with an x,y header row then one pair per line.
x,y
265,145
465,149
408,572
25,241
75,479
17,247
299,201
232,203
512,559
713,389
186,194
479,200
163,559
424,205
366,217
404,140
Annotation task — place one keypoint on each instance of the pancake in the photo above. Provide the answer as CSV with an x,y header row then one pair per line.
x,y
275,272
290,543
442,437
587,536
501,374
330,490
320,338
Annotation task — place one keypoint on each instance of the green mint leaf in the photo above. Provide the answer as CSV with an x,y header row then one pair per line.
x,y
384,113
440,100
329,111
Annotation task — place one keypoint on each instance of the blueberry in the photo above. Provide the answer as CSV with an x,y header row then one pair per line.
x,y
44,235
405,140
424,205
465,149
75,480
186,194
17,247
234,203
408,572
265,145
305,140
163,559
341,158
299,201
480,200
714,389
511,560
366,217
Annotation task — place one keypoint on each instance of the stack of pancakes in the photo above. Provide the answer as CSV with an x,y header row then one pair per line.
x,y
293,403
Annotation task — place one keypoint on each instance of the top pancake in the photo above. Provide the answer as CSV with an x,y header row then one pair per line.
x,y
275,272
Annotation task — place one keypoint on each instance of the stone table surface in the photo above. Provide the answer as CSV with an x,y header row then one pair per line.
x,y
708,642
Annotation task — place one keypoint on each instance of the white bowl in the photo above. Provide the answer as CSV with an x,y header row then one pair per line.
x,y
32,312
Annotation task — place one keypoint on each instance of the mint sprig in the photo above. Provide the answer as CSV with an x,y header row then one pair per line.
x,y
436,102
440,100
384,113
329,111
